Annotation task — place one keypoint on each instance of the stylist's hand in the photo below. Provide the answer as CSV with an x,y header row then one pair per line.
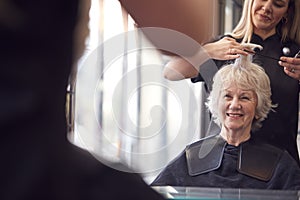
x,y
225,49
291,66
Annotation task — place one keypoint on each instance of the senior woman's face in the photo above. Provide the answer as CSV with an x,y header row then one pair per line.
x,y
266,14
237,108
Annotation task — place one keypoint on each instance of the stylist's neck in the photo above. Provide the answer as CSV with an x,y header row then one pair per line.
x,y
264,33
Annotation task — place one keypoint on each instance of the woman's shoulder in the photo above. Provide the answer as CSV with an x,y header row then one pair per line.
x,y
219,37
206,140
205,155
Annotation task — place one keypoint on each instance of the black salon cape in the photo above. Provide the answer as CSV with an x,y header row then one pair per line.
x,y
37,161
280,128
286,175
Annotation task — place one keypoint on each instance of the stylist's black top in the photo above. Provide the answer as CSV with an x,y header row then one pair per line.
x,y
281,127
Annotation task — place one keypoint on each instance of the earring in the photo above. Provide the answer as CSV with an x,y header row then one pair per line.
x,y
284,20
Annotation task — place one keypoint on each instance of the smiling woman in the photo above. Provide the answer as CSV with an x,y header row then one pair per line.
x,y
239,101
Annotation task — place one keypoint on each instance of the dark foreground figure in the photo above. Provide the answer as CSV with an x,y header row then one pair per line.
x,y
37,161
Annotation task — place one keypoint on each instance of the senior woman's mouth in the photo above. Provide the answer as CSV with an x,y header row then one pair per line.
x,y
234,115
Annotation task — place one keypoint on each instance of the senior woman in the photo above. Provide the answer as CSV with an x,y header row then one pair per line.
x,y
239,101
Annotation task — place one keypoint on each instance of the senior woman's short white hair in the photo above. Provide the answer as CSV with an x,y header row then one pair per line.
x,y
246,75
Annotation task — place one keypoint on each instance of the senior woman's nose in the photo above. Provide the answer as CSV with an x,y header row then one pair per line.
x,y
235,103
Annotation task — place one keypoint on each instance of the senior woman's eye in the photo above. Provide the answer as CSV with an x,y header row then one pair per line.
x,y
245,98
227,96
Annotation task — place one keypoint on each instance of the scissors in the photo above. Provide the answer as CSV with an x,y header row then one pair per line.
x,y
286,51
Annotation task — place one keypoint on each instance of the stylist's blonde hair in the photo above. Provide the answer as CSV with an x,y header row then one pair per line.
x,y
290,29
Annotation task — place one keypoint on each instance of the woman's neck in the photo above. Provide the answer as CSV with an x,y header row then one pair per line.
x,y
235,138
264,34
